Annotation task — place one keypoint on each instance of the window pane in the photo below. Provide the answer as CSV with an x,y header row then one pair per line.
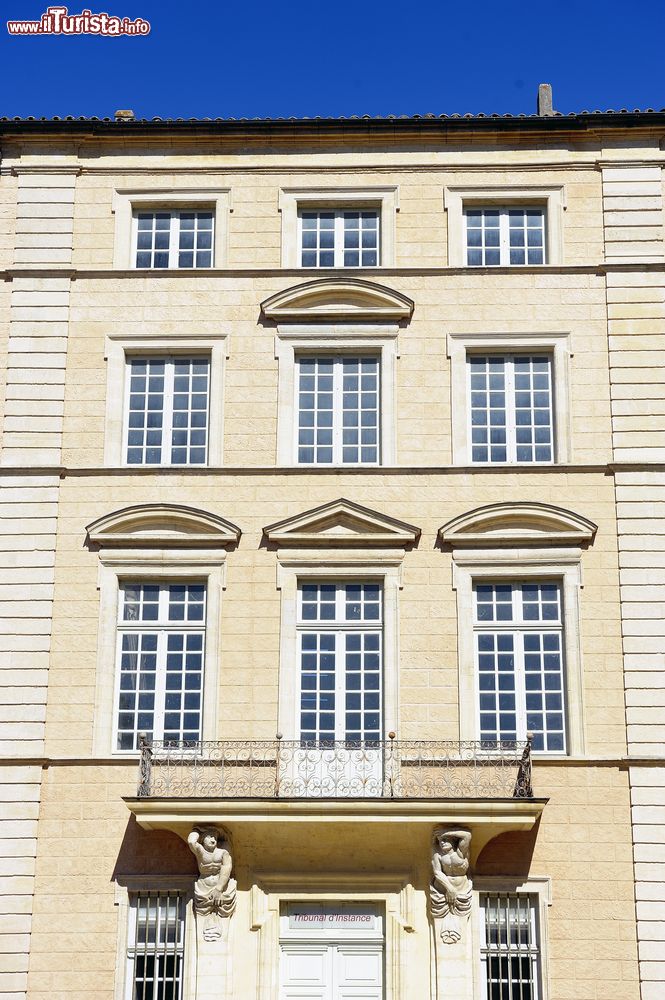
x,y
189,436
160,667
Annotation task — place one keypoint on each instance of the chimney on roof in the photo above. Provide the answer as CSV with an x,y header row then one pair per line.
x,y
545,100
124,116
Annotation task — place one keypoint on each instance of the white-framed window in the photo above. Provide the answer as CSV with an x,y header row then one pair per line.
x,y
179,552
508,226
510,397
160,662
340,636
339,237
519,645
167,404
338,227
511,407
155,945
336,394
164,399
510,948
339,410
556,662
505,235
171,228
380,572
173,238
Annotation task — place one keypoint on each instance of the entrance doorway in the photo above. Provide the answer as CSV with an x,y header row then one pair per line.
x,y
331,951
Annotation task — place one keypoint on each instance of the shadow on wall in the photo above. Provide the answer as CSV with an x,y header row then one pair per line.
x,y
508,854
153,852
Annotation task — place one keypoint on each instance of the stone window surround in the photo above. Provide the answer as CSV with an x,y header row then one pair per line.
x,y
461,345
127,885
519,564
395,891
163,565
121,345
127,201
456,199
335,338
386,199
534,885
324,565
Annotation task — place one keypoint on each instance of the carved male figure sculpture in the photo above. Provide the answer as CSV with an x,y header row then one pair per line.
x,y
214,890
451,890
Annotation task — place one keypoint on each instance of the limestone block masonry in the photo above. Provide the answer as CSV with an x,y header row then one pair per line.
x,y
571,850
31,446
633,212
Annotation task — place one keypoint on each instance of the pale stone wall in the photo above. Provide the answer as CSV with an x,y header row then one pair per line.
x,y
633,205
58,330
34,354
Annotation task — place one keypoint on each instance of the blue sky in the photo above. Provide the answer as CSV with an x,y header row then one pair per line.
x,y
352,57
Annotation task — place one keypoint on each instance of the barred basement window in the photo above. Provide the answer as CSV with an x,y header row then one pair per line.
x,y
155,946
510,946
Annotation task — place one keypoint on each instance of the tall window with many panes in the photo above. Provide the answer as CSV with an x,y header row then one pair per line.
x,y
160,659
519,662
155,946
504,236
338,410
510,946
166,413
174,238
340,653
339,238
511,408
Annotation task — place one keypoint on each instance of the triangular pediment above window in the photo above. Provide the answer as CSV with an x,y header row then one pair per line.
x,y
518,524
164,525
340,524
338,298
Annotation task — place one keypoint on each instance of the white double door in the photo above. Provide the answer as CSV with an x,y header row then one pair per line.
x,y
331,970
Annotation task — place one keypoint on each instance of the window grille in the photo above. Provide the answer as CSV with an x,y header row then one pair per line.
x,y
510,948
338,410
174,239
156,946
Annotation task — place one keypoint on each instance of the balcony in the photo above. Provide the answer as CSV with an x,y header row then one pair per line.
x,y
282,799
293,769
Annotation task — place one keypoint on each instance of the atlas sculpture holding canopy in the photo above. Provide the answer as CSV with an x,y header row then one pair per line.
x,y
451,891
214,890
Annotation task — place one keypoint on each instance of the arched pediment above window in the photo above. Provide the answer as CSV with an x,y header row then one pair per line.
x,y
518,524
338,298
340,524
163,525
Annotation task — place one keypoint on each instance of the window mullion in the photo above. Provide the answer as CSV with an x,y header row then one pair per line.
x,y
339,239
338,410
160,686
504,254
174,238
167,417
511,430
340,685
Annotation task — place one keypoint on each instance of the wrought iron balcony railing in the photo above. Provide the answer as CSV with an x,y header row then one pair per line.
x,y
295,769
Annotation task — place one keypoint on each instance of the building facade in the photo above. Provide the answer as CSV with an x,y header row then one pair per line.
x,y
333,570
